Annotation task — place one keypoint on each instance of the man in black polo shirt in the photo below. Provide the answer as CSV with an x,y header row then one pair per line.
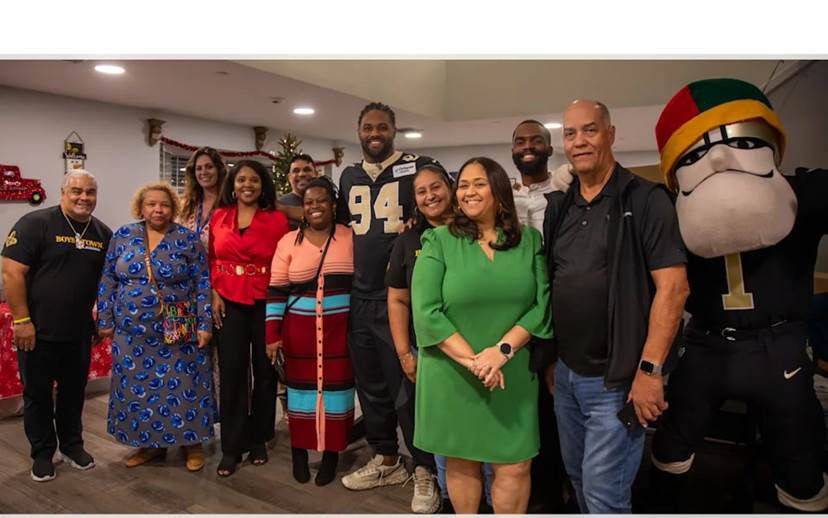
x,y
616,264
52,261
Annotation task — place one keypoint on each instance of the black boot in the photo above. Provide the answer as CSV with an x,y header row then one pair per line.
x,y
327,470
301,472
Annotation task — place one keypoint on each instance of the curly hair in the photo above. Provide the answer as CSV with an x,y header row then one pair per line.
x,y
267,199
506,216
138,198
380,107
193,192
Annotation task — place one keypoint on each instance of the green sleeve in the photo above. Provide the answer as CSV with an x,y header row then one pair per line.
x,y
430,322
538,318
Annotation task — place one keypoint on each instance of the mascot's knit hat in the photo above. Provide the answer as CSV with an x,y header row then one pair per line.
x,y
703,105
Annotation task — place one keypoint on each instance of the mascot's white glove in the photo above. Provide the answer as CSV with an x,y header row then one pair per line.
x,y
562,177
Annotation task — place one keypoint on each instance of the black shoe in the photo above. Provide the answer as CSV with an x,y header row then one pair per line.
x,y
327,470
228,465
43,470
301,472
447,508
78,458
258,454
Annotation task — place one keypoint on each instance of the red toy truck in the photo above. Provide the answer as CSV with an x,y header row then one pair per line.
x,y
13,187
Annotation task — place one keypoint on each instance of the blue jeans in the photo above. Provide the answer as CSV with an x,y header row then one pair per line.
x,y
600,455
440,461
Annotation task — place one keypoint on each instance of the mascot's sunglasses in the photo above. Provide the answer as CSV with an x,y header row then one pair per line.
x,y
739,135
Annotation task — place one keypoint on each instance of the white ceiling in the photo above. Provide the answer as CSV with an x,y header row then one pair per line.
x,y
454,102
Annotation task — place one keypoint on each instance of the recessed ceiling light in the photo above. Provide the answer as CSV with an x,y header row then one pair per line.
x,y
109,69
304,110
413,134
552,125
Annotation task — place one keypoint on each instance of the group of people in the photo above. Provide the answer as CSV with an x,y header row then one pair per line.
x,y
518,334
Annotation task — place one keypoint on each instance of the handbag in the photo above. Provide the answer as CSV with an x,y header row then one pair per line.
x,y
179,318
280,355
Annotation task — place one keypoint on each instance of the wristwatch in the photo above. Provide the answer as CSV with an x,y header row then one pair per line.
x,y
650,368
507,350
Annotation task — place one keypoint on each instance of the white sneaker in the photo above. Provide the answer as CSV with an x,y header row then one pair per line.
x,y
426,498
374,474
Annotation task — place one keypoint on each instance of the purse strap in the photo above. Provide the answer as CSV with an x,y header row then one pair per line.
x,y
152,278
318,270
147,261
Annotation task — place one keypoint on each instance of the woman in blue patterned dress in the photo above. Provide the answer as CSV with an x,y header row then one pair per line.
x,y
161,394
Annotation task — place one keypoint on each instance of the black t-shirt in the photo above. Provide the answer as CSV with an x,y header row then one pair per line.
x,y
404,254
778,281
291,199
62,281
401,264
378,208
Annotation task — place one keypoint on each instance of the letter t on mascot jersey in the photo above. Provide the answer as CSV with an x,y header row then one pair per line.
x,y
752,234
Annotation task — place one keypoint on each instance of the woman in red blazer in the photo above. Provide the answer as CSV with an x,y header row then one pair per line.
x,y
244,231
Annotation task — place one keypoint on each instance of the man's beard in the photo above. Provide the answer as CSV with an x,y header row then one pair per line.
x,y
380,155
536,168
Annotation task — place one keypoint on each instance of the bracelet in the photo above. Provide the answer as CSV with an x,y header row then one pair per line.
x,y
22,320
405,355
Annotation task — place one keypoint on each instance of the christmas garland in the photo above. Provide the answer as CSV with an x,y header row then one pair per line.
x,y
235,154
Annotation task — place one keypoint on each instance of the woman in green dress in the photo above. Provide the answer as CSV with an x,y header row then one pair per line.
x,y
480,291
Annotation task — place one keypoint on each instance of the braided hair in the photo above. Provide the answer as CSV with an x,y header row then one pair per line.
x,y
340,217
380,107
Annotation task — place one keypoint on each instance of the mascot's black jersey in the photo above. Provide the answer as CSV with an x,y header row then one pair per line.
x,y
378,209
755,289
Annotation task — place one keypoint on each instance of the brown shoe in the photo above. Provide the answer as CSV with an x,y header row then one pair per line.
x,y
195,457
144,455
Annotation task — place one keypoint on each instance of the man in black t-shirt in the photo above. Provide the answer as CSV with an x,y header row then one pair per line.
x,y
380,196
52,262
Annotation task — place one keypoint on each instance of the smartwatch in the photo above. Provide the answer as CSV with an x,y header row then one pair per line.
x,y
650,368
507,350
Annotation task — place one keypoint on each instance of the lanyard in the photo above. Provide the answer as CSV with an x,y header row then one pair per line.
x,y
199,226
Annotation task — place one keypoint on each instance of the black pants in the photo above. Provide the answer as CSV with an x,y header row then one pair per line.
x,y
68,364
245,421
548,473
773,375
386,396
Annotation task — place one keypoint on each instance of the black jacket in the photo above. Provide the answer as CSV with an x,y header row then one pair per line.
x,y
631,289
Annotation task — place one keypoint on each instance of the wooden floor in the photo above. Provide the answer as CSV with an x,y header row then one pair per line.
x,y
167,487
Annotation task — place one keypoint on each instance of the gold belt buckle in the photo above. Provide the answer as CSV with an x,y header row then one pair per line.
x,y
239,269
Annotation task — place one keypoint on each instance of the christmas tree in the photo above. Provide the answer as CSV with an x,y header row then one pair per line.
x,y
289,148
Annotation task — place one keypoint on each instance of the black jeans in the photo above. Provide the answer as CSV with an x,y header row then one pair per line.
x,y
549,480
66,363
245,421
386,396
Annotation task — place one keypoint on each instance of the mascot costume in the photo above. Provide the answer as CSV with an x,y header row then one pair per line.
x,y
752,236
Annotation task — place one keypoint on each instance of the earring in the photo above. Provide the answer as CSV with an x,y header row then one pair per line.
x,y
233,194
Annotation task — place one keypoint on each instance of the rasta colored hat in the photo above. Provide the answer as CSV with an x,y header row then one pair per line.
x,y
703,105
